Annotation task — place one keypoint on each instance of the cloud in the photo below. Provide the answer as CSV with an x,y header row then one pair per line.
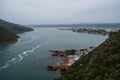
x,y
60,11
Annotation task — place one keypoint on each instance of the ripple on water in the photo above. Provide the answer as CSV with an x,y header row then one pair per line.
x,y
20,57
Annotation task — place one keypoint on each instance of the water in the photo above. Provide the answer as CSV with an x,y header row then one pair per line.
x,y
28,58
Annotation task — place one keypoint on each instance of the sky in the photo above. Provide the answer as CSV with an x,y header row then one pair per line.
x,y
60,11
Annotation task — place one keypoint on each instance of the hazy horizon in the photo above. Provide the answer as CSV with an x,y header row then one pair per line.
x,y
42,12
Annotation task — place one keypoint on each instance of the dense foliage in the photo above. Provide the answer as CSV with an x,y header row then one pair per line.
x,y
15,28
70,52
103,63
9,30
6,36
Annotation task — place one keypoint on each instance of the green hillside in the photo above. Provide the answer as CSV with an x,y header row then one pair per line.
x,y
15,28
6,36
103,63
9,30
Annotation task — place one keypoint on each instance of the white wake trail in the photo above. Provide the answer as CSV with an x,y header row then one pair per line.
x,y
20,57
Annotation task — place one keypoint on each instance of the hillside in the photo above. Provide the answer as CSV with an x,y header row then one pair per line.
x,y
103,63
15,28
6,36
9,31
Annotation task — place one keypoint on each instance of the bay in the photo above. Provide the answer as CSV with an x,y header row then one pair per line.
x,y
28,58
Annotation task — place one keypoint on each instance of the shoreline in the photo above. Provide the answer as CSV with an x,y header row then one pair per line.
x,y
89,31
9,42
13,41
67,58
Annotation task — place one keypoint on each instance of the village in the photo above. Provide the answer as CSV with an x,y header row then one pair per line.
x,y
67,58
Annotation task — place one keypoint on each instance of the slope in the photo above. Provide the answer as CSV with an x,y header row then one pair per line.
x,y
103,63
15,28
6,36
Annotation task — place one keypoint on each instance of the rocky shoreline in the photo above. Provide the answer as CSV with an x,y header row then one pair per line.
x,y
66,59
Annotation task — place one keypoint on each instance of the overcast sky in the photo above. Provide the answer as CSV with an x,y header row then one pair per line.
x,y
60,11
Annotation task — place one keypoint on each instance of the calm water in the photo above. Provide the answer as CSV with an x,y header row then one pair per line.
x,y
28,58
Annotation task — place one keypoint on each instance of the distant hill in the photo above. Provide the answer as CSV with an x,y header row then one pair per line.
x,y
15,28
9,31
103,63
99,25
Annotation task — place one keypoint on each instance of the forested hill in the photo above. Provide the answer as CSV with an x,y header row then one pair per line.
x,y
103,63
15,28
9,31
6,36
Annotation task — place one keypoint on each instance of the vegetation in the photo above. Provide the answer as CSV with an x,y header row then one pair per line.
x,y
91,31
15,28
70,52
8,32
6,36
103,63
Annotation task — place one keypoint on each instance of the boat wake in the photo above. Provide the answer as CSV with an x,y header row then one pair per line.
x,y
29,41
20,56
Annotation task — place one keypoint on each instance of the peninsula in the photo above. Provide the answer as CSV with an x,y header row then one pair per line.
x,y
9,31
